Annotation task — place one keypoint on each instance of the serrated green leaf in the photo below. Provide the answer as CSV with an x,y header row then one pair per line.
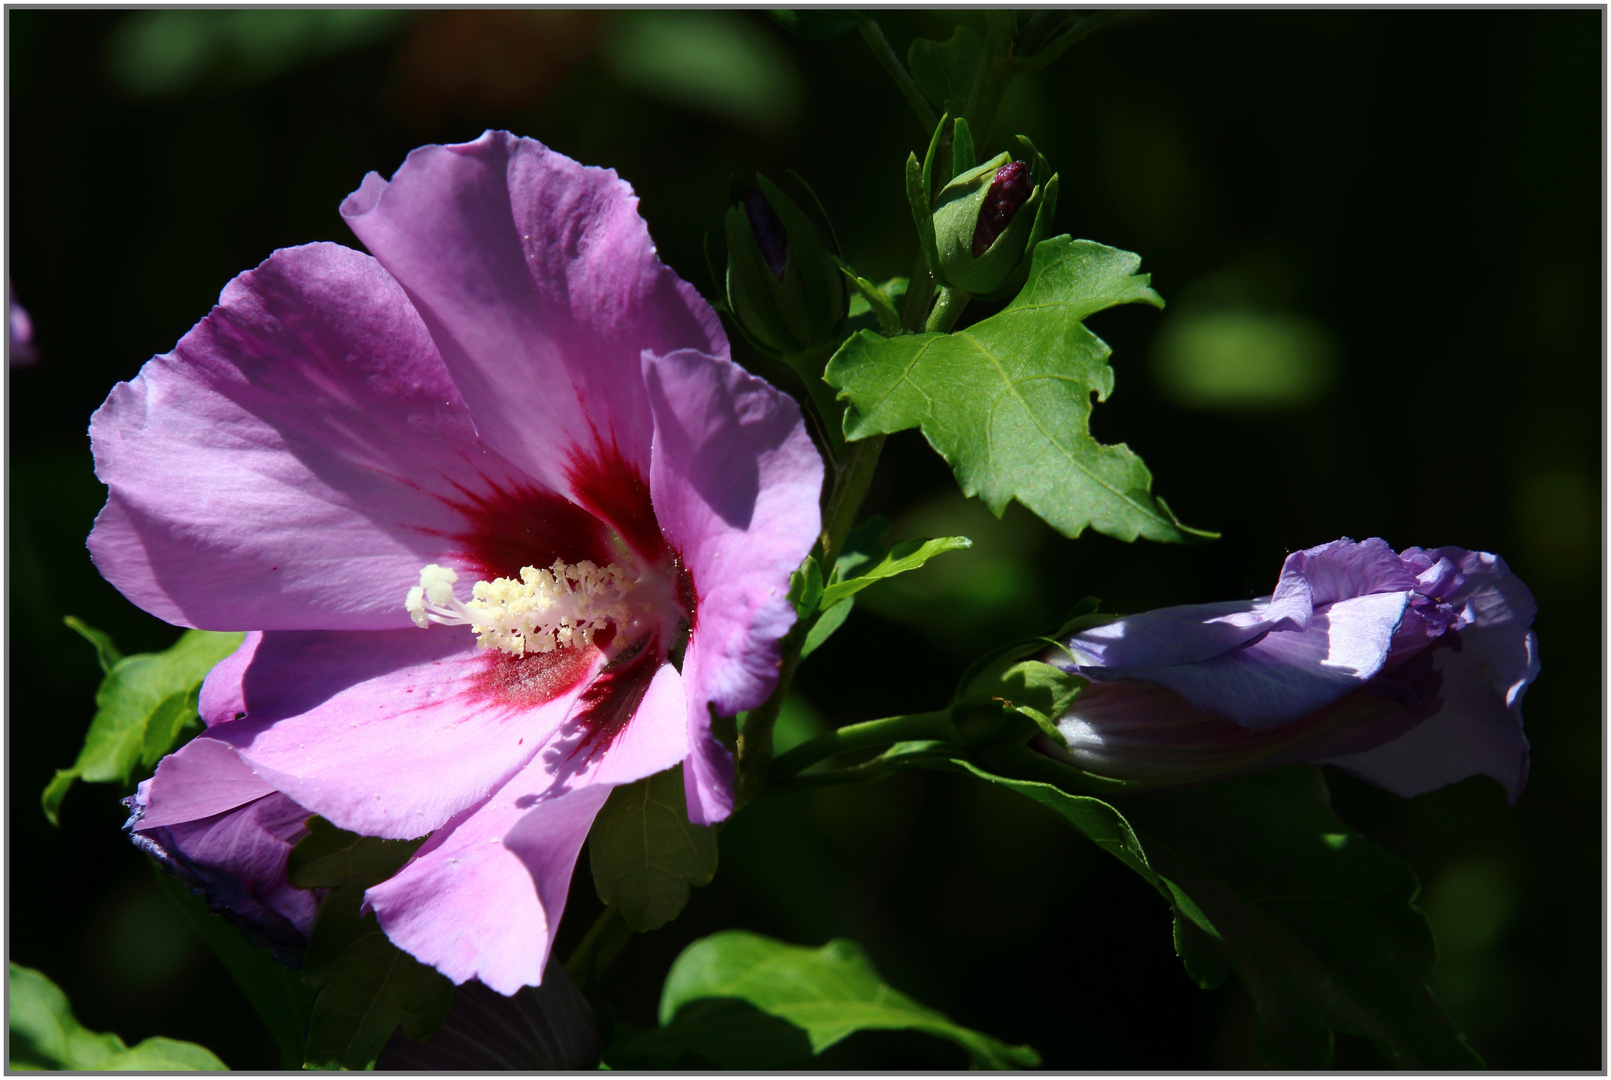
x,y
142,705
281,998
646,854
1007,401
1319,922
830,620
903,556
945,70
740,1000
46,1035
367,985
106,653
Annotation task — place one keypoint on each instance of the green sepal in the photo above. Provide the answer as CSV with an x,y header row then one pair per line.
x,y
917,197
795,319
367,986
142,707
646,854
737,1000
962,156
805,587
877,301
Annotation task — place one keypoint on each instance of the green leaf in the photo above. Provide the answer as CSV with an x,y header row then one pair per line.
x,y
945,71
831,619
1007,400
106,652
367,985
143,704
903,556
46,1035
740,1000
1319,922
281,998
646,854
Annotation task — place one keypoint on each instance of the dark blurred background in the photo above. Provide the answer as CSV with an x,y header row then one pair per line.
x,y
1380,237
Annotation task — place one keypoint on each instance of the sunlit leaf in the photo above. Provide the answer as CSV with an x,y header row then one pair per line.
x,y
646,854
142,707
740,1000
1007,401
46,1035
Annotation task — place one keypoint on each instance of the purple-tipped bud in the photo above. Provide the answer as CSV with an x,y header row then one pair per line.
x,y
1008,191
770,236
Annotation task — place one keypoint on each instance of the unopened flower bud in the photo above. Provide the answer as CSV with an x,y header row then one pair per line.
x,y
987,222
770,236
784,285
1008,192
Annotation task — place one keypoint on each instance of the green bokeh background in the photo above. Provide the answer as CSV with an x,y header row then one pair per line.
x,y
1380,235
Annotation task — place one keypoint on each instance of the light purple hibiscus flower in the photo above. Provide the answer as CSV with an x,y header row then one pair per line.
x,y
517,428
1407,670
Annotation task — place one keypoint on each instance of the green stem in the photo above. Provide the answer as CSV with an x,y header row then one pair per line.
x,y
603,943
919,296
874,36
947,310
894,729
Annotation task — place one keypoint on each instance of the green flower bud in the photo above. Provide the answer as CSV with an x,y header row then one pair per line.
x,y
987,222
784,287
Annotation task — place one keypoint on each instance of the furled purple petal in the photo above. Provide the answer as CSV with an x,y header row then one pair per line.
x,y
222,698
541,286
466,904
1286,675
1188,633
1343,569
391,733
1485,674
736,481
293,462
227,835
202,778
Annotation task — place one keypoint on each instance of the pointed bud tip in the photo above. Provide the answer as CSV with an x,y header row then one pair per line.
x,y
1009,190
770,235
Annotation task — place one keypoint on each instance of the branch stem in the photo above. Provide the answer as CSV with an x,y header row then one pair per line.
x,y
886,732
873,35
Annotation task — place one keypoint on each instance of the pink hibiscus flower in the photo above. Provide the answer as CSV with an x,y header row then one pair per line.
x,y
513,427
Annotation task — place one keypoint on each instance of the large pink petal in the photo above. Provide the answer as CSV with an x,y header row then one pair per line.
x,y
294,461
483,897
391,733
541,285
736,481
475,908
